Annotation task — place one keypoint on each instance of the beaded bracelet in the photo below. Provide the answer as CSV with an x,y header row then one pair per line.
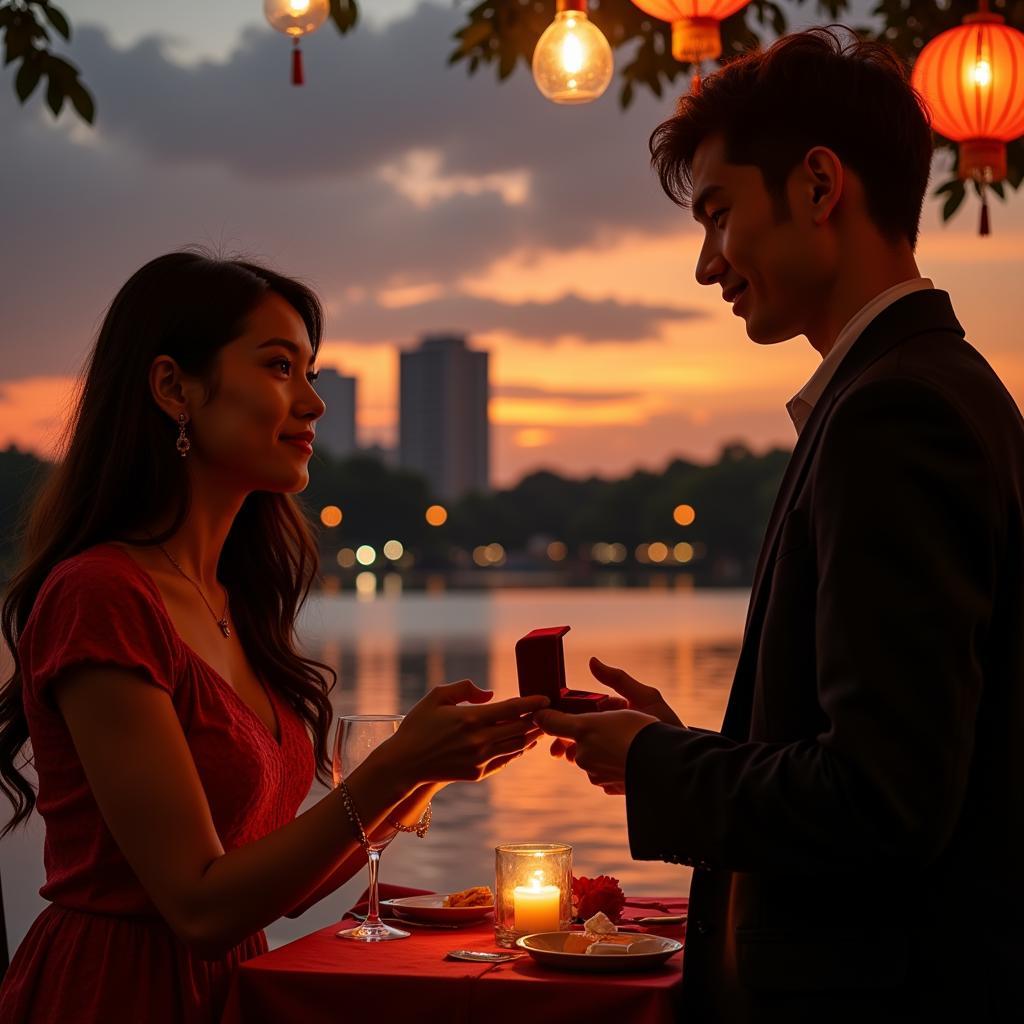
x,y
353,817
421,828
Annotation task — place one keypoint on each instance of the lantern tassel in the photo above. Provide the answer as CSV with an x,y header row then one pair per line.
x,y
298,78
984,228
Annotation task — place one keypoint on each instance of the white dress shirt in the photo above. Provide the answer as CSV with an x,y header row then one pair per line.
x,y
802,403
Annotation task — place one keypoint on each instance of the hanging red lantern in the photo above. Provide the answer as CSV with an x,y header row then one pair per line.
x,y
695,27
296,18
972,78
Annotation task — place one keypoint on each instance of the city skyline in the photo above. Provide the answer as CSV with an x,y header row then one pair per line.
x,y
433,202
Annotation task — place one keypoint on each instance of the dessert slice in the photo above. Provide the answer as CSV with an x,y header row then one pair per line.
x,y
597,929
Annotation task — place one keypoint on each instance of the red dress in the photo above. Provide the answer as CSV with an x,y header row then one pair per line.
x,y
101,952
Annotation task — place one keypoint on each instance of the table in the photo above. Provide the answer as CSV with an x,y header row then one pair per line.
x,y
319,979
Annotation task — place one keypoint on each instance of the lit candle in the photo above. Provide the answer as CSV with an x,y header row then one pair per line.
x,y
536,906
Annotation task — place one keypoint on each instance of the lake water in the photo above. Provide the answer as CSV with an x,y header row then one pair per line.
x,y
389,650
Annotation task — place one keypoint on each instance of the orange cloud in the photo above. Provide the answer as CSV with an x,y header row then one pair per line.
x,y
34,411
533,437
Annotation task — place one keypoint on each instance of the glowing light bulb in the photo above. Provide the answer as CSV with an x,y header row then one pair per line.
x,y
982,73
296,17
573,61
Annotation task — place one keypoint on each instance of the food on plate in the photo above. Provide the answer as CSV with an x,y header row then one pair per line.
x,y
599,924
475,896
597,930
581,942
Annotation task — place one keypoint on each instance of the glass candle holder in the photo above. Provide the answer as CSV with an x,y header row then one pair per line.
x,y
532,890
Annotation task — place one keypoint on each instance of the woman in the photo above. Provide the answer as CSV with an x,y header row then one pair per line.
x,y
157,679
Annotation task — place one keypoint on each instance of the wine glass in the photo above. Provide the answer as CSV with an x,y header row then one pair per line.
x,y
356,736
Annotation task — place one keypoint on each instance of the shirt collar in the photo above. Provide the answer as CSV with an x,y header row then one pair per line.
x,y
803,402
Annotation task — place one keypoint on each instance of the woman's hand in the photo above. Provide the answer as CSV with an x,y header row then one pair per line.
x,y
442,740
636,697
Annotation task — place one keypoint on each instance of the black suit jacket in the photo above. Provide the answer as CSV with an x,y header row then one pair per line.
x,y
857,823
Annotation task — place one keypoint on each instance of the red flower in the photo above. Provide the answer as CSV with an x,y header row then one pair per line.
x,y
589,895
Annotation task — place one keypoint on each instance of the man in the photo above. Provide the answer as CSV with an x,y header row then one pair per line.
x,y
856,826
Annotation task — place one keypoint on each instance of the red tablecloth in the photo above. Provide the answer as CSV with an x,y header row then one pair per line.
x,y
320,979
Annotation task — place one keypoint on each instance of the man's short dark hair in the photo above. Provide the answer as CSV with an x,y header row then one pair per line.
x,y
822,87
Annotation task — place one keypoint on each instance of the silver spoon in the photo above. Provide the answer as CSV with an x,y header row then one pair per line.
x,y
481,956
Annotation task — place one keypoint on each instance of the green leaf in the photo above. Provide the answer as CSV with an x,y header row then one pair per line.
x,y
952,204
55,93
474,35
58,20
28,76
507,64
344,14
18,42
83,102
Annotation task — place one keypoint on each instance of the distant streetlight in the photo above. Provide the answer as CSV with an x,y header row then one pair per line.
x,y
331,515
393,550
658,551
437,515
683,552
557,551
684,515
365,555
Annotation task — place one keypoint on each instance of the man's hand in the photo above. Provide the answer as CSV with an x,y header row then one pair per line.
x,y
637,697
597,742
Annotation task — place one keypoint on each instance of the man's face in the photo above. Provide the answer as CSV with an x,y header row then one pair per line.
x,y
770,261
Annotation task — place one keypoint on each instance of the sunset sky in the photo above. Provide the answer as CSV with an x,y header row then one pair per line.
x,y
413,198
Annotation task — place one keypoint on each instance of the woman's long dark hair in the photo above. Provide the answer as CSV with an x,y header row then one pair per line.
x,y
119,474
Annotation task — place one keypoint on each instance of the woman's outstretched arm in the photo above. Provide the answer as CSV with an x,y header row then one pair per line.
x,y
144,780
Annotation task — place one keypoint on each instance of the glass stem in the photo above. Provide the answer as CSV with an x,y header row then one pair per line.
x,y
373,901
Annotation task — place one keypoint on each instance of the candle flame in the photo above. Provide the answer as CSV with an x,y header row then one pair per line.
x,y
982,73
536,879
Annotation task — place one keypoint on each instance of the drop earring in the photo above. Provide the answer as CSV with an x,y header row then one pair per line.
x,y
183,444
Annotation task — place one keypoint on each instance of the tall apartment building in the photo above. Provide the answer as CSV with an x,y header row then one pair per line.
x,y
336,429
443,427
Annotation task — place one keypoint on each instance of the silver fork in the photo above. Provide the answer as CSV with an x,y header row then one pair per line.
x,y
480,956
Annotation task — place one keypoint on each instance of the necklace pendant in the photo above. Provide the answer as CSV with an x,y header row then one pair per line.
x,y
224,628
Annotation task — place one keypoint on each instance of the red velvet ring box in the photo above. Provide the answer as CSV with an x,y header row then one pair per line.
x,y
541,665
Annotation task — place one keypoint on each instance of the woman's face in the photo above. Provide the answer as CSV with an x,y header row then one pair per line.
x,y
257,429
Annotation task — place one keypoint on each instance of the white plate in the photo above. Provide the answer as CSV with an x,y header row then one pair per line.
x,y
546,948
430,909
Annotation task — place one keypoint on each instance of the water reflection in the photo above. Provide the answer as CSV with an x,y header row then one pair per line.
x,y
390,651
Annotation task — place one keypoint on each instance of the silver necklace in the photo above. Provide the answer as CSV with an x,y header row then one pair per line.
x,y
223,620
